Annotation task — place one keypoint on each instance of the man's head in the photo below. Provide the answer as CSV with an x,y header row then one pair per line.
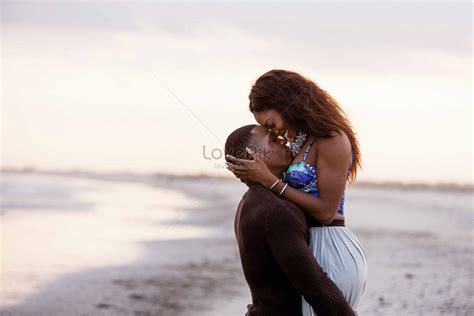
x,y
259,140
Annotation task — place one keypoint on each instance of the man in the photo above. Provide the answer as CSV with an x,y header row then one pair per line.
x,y
273,237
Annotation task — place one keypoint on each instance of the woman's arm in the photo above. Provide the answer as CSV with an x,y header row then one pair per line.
x,y
333,162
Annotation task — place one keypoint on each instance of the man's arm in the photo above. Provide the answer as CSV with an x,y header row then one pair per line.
x,y
285,234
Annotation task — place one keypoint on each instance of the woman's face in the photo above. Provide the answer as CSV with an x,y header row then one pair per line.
x,y
275,155
272,120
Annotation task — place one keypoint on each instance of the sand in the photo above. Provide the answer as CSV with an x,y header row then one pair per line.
x,y
418,243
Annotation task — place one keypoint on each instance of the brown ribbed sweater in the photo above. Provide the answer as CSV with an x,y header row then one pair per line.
x,y
278,265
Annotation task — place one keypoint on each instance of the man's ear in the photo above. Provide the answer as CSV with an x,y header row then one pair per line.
x,y
253,153
251,150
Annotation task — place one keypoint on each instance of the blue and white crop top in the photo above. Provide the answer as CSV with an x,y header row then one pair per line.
x,y
303,176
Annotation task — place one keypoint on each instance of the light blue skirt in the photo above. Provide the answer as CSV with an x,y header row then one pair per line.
x,y
340,254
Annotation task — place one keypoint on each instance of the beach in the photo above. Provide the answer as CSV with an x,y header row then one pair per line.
x,y
83,243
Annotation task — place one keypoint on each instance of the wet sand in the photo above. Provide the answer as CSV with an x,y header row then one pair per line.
x,y
418,243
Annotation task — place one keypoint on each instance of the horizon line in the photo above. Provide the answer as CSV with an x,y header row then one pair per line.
x,y
468,187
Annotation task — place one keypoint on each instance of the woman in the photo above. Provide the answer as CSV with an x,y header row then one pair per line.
x,y
326,156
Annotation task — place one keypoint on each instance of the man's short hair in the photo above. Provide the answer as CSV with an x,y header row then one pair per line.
x,y
238,141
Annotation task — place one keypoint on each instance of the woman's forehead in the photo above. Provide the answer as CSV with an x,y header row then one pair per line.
x,y
266,115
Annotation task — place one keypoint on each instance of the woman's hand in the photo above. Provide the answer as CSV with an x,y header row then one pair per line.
x,y
255,170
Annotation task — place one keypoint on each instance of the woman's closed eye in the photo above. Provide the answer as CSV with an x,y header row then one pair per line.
x,y
269,124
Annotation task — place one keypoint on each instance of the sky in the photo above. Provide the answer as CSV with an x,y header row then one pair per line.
x,y
157,87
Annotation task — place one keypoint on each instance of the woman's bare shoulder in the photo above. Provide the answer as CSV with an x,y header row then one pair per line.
x,y
336,144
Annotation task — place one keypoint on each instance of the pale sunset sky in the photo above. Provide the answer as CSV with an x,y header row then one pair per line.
x,y
149,86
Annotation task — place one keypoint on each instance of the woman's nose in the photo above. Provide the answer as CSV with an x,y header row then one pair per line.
x,y
281,140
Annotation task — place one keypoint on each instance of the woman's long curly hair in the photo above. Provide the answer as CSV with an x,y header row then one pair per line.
x,y
303,105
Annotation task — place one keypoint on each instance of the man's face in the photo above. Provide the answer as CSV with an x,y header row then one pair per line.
x,y
270,149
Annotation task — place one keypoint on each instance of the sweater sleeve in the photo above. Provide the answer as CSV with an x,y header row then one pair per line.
x,y
285,234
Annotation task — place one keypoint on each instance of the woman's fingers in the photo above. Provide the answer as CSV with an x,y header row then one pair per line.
x,y
245,162
236,170
237,160
243,169
236,167
231,158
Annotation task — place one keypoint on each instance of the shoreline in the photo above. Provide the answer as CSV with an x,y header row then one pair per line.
x,y
144,176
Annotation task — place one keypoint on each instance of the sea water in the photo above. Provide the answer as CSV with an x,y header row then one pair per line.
x,y
54,225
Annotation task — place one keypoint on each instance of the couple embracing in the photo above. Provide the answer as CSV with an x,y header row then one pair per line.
x,y
297,255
